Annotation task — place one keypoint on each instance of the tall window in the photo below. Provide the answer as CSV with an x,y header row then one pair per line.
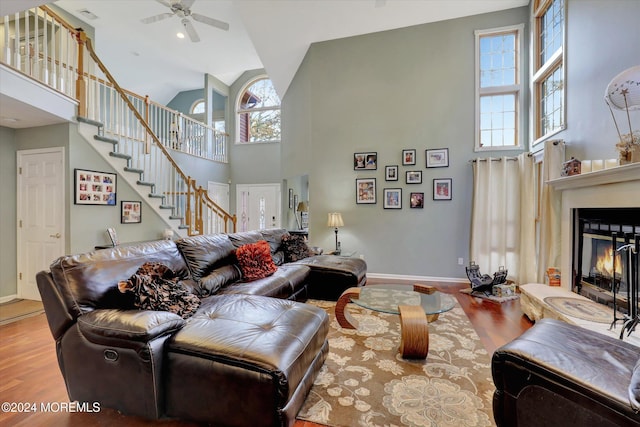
x,y
548,72
259,113
498,88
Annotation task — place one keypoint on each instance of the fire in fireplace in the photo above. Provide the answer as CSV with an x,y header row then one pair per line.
x,y
603,271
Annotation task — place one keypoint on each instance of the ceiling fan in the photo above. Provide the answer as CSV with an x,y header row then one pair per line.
x,y
182,9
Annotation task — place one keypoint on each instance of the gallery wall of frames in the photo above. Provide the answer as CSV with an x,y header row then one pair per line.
x,y
403,181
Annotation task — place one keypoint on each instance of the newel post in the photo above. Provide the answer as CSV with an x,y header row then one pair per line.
x,y
81,83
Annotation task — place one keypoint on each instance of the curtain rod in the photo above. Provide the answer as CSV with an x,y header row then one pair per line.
x,y
499,159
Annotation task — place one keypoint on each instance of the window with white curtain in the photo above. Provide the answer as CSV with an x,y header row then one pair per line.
x,y
498,88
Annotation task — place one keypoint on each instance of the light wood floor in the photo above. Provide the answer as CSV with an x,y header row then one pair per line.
x,y
29,371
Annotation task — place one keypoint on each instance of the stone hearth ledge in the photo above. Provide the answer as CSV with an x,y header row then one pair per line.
x,y
532,297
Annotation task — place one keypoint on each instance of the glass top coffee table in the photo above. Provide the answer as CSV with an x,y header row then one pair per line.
x,y
416,306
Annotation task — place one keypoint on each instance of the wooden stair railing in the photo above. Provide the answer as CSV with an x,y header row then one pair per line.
x,y
197,200
54,54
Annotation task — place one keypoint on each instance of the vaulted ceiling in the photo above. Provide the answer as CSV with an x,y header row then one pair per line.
x,y
270,34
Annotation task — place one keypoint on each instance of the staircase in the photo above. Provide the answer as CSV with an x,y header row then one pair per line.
x,y
132,133
114,152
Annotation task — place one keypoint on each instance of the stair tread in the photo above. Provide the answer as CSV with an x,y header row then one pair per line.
x,y
89,121
120,155
105,139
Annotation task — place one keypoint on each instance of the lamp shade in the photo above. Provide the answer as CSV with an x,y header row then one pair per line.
x,y
302,207
335,220
623,92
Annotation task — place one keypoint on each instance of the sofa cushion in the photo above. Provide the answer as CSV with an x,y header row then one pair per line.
x,y
221,276
255,260
294,247
205,253
274,236
245,237
157,287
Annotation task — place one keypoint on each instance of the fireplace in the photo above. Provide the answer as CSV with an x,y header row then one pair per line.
x,y
603,269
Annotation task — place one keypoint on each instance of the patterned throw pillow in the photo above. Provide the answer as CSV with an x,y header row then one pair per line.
x,y
294,247
156,287
255,260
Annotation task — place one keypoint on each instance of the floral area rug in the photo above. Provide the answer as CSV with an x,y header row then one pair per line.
x,y
365,381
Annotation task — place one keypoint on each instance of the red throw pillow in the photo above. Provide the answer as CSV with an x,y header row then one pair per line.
x,y
255,260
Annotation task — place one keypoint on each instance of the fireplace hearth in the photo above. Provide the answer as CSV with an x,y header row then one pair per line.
x,y
605,259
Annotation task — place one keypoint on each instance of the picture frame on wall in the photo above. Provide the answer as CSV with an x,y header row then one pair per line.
x,y
413,177
416,200
408,157
437,158
365,191
442,188
365,161
94,188
291,198
391,173
130,212
392,198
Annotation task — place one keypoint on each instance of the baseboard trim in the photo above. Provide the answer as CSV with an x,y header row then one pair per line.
x,y
8,298
409,278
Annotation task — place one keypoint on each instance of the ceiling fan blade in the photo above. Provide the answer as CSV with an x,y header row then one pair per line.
x,y
210,21
156,18
188,26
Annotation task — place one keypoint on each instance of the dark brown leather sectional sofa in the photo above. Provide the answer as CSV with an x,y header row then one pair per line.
x,y
247,357
557,374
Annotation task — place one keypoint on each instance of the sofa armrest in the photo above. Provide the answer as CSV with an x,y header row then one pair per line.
x,y
127,328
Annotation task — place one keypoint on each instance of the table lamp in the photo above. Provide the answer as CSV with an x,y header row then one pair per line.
x,y
302,207
335,220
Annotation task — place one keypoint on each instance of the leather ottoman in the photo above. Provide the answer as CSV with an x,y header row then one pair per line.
x,y
331,275
245,360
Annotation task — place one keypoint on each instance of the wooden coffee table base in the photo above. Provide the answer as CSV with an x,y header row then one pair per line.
x,y
414,327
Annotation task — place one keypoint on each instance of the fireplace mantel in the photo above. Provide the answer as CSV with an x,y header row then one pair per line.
x,y
615,187
630,172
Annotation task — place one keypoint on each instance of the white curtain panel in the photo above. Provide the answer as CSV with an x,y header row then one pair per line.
x,y
550,206
503,217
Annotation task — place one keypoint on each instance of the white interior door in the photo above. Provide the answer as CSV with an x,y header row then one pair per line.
x,y
219,193
258,206
40,213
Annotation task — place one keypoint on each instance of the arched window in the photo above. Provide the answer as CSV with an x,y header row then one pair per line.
x,y
258,112
198,107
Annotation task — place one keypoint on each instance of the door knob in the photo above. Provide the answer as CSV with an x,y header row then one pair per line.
x,y
57,235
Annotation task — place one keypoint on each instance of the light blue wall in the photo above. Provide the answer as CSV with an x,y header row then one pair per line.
x,y
183,101
603,39
385,92
8,261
